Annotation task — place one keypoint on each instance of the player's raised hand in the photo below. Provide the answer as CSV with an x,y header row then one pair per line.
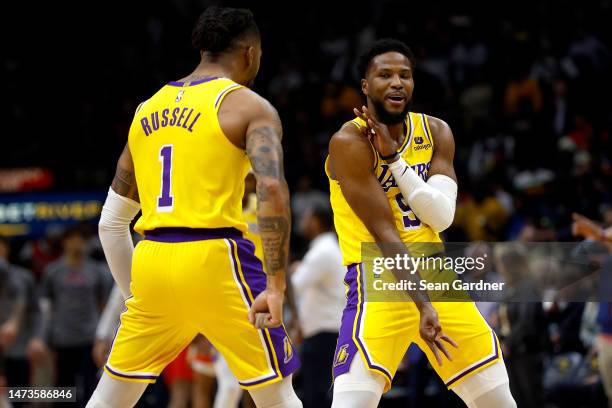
x,y
377,132
432,334
585,228
267,310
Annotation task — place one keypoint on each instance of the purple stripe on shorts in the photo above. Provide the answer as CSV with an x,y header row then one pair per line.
x,y
346,348
133,376
488,360
255,277
198,82
263,380
359,319
180,234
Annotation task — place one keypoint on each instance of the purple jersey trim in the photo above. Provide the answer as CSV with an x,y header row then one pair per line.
x,y
180,234
255,280
356,333
488,360
198,82
252,383
133,376
349,338
254,291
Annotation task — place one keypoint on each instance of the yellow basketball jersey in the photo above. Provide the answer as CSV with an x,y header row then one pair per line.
x,y
188,173
417,150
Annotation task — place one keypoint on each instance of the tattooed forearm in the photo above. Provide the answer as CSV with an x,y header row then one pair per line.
x,y
124,184
275,239
264,149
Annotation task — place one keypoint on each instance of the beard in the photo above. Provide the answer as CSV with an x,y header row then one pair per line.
x,y
388,118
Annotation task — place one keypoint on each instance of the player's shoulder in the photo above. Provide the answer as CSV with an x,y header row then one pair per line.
x,y
349,133
245,99
440,130
437,125
349,147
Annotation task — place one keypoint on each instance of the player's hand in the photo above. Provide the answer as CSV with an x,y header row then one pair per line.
x,y
584,227
431,332
377,132
267,310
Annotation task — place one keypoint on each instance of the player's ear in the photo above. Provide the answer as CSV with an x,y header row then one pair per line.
x,y
250,56
364,87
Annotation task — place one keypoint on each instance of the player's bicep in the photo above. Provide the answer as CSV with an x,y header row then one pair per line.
x,y
444,150
263,145
360,188
124,182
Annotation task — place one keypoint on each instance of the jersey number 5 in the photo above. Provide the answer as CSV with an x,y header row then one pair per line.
x,y
411,222
165,201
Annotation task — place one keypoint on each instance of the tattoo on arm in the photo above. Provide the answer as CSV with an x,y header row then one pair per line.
x,y
275,238
264,149
124,183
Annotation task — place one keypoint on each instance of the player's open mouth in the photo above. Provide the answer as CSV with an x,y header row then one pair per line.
x,y
396,99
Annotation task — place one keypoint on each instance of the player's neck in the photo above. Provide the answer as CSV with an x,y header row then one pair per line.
x,y
396,130
213,69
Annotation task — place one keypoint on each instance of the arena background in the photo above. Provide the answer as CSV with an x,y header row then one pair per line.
x,y
525,86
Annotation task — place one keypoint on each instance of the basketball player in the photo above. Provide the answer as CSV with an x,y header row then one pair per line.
x,y
189,149
398,185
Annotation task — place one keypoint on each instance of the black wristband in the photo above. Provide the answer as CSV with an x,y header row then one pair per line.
x,y
389,157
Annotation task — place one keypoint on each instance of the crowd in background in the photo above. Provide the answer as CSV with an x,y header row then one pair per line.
x,y
525,93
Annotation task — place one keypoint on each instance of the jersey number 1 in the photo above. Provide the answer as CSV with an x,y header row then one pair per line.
x,y
165,202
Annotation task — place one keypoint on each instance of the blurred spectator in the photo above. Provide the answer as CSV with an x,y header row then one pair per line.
x,y
178,376
41,252
488,309
482,216
522,329
306,197
317,282
74,290
20,321
586,228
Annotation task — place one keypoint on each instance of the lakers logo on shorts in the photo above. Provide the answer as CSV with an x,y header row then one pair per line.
x,y
288,349
342,355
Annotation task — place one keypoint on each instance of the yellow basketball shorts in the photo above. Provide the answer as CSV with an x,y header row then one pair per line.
x,y
186,282
381,332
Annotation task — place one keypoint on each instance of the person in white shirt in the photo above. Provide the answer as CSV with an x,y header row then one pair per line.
x,y
319,291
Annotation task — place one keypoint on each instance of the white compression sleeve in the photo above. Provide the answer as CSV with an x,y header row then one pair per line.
x,y
487,388
433,202
359,388
277,395
113,393
114,230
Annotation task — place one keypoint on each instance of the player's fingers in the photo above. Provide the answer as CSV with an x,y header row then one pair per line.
x,y
440,346
360,114
260,320
272,322
449,340
435,351
252,315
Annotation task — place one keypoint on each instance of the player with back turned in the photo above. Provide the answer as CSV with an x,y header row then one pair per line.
x,y
189,149
392,183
